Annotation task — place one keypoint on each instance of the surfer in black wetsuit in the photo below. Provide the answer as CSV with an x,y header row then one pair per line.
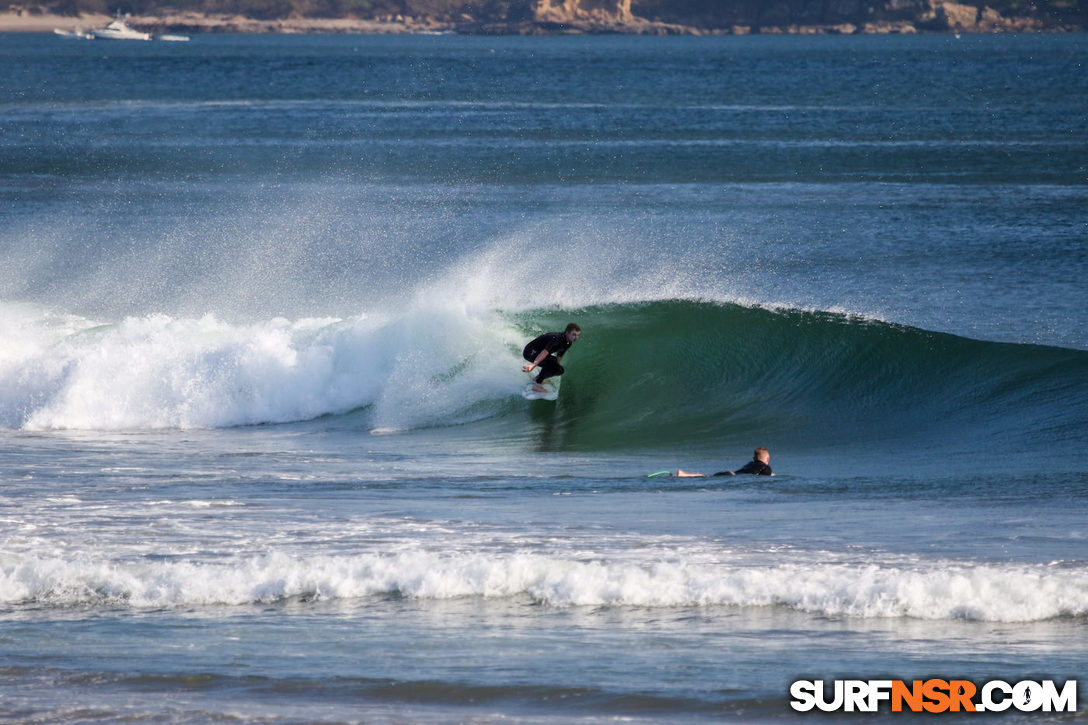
x,y
759,466
546,351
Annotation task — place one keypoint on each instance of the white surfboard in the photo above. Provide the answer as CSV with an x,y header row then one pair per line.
x,y
552,386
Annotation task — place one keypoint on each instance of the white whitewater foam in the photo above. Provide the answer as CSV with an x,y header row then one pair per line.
x,y
938,590
425,365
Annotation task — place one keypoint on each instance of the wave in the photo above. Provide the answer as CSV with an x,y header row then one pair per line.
x,y
932,591
664,372
689,371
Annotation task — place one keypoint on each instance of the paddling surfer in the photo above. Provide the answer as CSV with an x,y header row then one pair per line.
x,y
759,466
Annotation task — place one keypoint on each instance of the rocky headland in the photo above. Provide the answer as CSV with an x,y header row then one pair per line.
x,y
535,17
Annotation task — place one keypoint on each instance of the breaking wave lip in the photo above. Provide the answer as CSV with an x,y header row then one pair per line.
x,y
931,591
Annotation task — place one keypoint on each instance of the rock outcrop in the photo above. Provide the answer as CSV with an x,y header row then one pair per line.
x,y
938,15
847,16
573,12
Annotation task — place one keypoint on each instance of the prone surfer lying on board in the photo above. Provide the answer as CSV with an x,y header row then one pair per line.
x,y
759,465
546,351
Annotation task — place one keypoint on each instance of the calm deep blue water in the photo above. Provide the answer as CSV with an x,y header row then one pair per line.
x,y
263,452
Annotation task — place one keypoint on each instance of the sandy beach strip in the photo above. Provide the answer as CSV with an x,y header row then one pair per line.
x,y
11,22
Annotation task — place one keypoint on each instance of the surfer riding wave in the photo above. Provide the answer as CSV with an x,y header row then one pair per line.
x,y
545,353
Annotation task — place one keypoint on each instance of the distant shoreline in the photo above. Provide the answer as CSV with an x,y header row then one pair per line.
x,y
200,23
192,22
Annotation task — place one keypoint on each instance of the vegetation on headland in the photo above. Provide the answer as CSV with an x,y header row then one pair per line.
x,y
639,16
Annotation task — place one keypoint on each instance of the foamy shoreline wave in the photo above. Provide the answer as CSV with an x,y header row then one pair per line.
x,y
935,591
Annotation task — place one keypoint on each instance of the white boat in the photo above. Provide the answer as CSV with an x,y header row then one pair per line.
x,y
119,30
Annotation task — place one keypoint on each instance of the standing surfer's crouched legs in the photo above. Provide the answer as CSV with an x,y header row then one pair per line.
x,y
549,368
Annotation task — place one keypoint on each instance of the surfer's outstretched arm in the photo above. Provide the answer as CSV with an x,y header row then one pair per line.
x,y
681,473
539,359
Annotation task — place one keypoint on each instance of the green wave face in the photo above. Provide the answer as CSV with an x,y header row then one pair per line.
x,y
682,374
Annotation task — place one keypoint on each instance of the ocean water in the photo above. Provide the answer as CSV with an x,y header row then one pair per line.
x,y
263,456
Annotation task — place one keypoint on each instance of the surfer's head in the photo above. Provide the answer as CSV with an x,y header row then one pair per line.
x,y
573,332
762,454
